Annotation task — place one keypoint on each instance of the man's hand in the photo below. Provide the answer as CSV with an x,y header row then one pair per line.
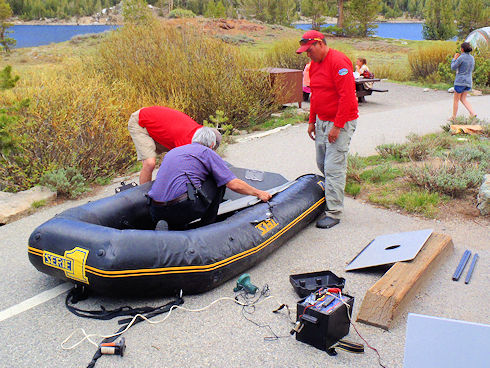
x,y
333,134
311,131
263,196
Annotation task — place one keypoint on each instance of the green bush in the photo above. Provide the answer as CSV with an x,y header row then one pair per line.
x,y
471,153
337,31
449,178
425,61
352,189
236,40
395,150
282,55
66,182
181,13
183,69
355,165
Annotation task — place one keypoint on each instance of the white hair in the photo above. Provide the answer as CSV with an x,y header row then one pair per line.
x,y
205,136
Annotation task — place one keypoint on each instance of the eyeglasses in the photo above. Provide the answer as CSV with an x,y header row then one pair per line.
x,y
306,40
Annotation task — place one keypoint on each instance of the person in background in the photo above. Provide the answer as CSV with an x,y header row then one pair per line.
x,y
306,82
363,70
464,65
333,118
191,183
158,129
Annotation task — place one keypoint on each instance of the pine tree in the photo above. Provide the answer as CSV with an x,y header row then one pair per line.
x,y
471,15
361,17
136,11
316,9
5,13
210,9
439,20
220,10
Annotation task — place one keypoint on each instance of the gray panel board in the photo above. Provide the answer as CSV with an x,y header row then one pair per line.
x,y
433,342
391,248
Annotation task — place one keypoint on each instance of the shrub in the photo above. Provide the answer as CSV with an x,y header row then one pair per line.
x,y
181,13
450,178
355,165
182,69
337,31
73,120
282,55
66,182
471,153
425,61
395,150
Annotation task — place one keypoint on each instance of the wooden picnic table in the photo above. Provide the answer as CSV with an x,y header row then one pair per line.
x,y
362,91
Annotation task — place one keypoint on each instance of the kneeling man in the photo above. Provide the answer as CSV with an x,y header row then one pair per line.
x,y
191,183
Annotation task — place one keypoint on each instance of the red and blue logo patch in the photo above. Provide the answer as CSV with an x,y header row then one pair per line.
x,y
343,71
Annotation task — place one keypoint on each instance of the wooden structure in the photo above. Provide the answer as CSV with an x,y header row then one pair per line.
x,y
385,299
362,91
287,84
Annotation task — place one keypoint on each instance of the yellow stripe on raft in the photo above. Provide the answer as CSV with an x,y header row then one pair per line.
x,y
191,269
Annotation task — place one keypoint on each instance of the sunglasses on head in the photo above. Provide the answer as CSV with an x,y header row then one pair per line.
x,y
306,40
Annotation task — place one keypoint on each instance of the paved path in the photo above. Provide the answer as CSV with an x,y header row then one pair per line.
x,y
220,336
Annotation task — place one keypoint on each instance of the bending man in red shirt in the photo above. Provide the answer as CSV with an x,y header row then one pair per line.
x,y
159,129
333,114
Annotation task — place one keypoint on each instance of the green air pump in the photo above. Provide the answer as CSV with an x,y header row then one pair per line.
x,y
243,283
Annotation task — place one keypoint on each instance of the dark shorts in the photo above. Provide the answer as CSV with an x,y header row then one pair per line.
x,y
461,89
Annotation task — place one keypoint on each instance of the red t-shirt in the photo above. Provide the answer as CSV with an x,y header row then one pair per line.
x,y
333,89
170,128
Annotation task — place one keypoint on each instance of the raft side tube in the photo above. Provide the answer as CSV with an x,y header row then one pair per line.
x,y
147,262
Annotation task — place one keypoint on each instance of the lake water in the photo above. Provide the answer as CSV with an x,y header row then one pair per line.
x,y
405,31
37,35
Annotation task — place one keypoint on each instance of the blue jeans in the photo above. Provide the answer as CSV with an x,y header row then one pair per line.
x,y
331,159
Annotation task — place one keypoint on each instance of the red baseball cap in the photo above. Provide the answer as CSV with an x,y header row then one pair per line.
x,y
308,39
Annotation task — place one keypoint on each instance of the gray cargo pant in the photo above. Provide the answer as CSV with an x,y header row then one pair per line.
x,y
331,159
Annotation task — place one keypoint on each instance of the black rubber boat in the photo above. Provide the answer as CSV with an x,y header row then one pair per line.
x,y
108,245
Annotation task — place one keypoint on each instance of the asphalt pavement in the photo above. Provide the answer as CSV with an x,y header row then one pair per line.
x,y
221,335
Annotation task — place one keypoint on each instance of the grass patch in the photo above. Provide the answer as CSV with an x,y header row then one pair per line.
x,y
422,202
136,167
38,204
352,188
381,174
287,117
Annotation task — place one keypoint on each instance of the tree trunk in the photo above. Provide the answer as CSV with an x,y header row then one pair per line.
x,y
340,15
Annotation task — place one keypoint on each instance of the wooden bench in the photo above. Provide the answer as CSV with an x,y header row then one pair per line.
x,y
362,91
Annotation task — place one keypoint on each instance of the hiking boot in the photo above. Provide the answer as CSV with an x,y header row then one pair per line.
x,y
162,225
326,222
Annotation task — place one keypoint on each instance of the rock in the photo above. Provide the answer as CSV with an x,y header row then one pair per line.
x,y
475,92
276,115
13,204
426,89
451,90
484,196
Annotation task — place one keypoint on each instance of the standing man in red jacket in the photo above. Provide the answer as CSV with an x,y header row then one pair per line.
x,y
158,129
333,114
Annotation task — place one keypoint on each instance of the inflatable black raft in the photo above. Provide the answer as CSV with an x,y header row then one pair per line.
x,y
108,245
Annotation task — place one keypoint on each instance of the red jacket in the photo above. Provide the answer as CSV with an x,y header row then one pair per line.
x,y
333,89
170,128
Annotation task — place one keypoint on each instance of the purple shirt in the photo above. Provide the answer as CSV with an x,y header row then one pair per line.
x,y
198,161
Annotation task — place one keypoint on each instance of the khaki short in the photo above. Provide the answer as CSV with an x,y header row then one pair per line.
x,y
145,146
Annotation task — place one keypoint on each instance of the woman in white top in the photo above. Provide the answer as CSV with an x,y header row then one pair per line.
x,y
361,67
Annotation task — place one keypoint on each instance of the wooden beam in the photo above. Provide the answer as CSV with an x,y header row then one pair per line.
x,y
384,300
